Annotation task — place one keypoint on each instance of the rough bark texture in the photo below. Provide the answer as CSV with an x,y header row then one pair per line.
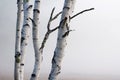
x,y
18,38
63,32
36,41
25,35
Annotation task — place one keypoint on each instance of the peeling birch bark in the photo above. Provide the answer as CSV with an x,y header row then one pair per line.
x,y
36,41
18,38
25,33
63,32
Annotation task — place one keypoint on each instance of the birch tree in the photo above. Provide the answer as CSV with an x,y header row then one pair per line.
x,y
63,32
25,33
36,40
18,38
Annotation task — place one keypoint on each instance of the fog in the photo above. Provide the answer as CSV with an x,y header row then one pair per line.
x,y
92,49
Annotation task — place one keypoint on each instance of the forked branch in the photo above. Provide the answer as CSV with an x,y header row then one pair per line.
x,y
48,27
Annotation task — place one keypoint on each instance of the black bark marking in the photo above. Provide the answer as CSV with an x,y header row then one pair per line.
x,y
22,64
17,54
66,7
22,10
33,75
29,7
67,26
17,57
59,68
33,23
53,60
63,22
26,25
22,39
66,34
27,19
58,73
37,1
37,10
18,1
18,29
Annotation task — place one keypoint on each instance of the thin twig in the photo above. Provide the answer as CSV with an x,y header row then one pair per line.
x,y
52,13
56,16
49,22
81,12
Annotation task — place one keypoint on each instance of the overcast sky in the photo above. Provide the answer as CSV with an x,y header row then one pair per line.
x,y
93,48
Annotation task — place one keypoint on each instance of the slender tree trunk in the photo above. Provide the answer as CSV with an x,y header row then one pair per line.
x,y
18,38
61,40
36,41
25,33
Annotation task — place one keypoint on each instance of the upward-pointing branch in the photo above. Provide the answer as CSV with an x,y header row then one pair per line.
x,y
49,22
56,16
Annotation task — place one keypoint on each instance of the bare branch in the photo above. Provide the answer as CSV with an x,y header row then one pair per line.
x,y
50,31
81,12
47,36
52,13
44,40
48,28
56,16
54,29
49,22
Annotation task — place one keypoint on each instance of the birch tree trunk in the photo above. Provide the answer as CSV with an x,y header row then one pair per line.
x,y
61,40
36,41
25,33
18,38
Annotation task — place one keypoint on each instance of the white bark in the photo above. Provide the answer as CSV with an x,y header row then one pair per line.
x,y
25,35
61,40
36,41
18,38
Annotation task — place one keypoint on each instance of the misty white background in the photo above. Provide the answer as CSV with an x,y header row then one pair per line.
x,y
93,48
